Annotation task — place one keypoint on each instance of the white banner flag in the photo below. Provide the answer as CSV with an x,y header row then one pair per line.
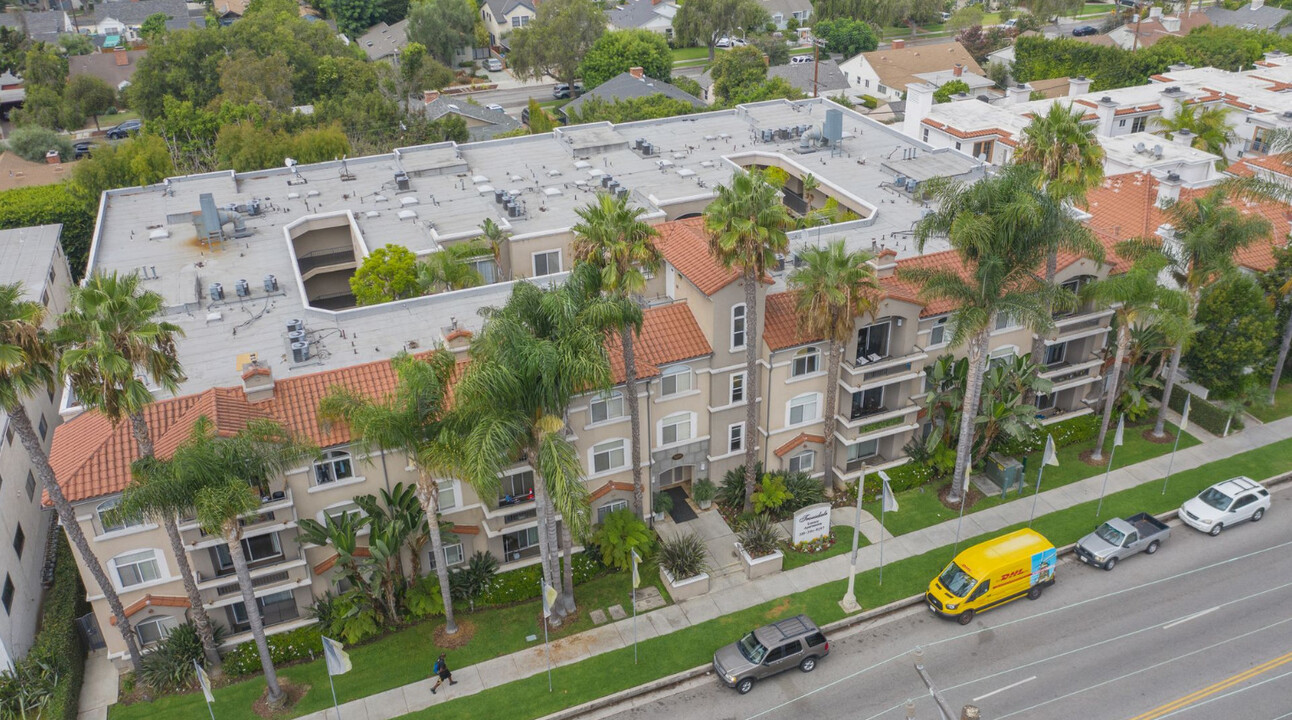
x,y
888,501
1050,457
204,681
549,599
338,660
637,580
1184,416
1119,438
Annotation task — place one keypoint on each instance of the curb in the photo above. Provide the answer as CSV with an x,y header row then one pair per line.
x,y
861,617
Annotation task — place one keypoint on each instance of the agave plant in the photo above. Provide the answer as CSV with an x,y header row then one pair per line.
x,y
683,556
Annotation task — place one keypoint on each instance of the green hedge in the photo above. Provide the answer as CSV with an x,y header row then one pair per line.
x,y
870,101
45,204
299,644
1065,432
516,586
1208,416
58,643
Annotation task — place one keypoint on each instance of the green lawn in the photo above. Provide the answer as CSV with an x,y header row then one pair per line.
x,y
842,545
920,508
397,659
612,672
1281,408
695,53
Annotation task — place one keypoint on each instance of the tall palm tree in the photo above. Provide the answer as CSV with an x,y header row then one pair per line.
x,y
1209,125
27,360
613,238
1070,163
534,354
1284,291
1208,230
834,287
408,420
229,470
998,228
493,234
111,341
746,224
810,185
448,269
1139,300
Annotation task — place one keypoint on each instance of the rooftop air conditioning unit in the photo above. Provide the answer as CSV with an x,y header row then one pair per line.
x,y
217,292
242,287
401,181
271,284
295,324
300,352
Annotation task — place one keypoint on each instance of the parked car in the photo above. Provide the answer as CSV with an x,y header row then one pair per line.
x,y
562,90
800,59
1118,539
1084,30
125,129
1012,22
493,64
993,573
495,107
1224,504
793,642
945,16
82,149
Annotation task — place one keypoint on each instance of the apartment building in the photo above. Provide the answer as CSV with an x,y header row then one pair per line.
x,y
33,257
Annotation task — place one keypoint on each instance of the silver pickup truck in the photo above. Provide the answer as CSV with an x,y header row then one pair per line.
x,y
1118,539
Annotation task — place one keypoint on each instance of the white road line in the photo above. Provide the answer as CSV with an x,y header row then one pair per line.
x,y
1187,618
1001,690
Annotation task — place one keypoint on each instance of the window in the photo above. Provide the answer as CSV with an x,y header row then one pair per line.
x,y
606,407
806,362
43,428
342,511
980,590
448,495
675,475
546,263
612,506
274,608
1003,321
516,488
254,549
487,268
938,333
514,543
6,597
1139,124
111,520
803,409
1055,354
982,150
136,568
737,326
675,429
674,380
804,462
859,452
736,437
1002,356
31,486
882,89
868,402
335,465
872,342
521,21
926,135
1044,402
19,541
1121,123
608,456
737,387
1261,140
453,555
154,631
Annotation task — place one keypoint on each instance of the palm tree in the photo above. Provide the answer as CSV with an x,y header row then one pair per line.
x,y
229,470
998,228
1208,230
496,237
1209,125
111,340
534,354
834,288
810,185
448,269
746,224
1139,300
1284,291
613,238
408,420
27,361
1070,162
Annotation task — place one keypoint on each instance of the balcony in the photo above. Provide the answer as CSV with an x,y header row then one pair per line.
x,y
1079,325
867,373
877,420
271,505
1064,371
221,590
325,258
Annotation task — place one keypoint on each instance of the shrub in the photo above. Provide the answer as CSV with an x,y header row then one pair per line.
x,y
870,101
662,503
516,586
732,492
58,646
804,491
31,142
422,598
621,533
472,581
169,666
299,644
760,536
771,494
1208,416
903,477
703,490
683,556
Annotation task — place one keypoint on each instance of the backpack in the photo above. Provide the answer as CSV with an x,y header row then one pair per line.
x,y
439,665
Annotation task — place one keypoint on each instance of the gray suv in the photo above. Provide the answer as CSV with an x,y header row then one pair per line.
x,y
793,642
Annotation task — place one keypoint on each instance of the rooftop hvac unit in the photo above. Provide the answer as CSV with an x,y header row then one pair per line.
x,y
621,192
638,143
300,352
242,287
798,260
296,336
217,292
514,210
613,186
766,135
648,148
901,180
499,196
401,181
911,184
295,324
784,133
832,131
271,284
606,180
1157,151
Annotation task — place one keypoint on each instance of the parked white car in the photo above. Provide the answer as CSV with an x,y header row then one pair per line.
x,y
1226,504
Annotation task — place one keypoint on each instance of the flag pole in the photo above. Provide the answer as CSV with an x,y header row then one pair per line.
x,y
960,520
206,688
849,601
883,506
635,579
1184,423
335,704
1111,454
542,588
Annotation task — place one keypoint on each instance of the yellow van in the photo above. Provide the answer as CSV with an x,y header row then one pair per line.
x,y
993,573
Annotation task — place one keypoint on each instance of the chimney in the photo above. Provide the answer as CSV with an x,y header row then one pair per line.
x,y
51,157
1172,100
1078,86
919,101
958,70
1258,4
885,263
257,381
899,44
121,56
1017,93
1168,191
458,339
1184,137
637,72
1106,110
430,96
1171,24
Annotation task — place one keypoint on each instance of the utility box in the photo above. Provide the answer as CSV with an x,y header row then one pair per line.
x,y
1006,472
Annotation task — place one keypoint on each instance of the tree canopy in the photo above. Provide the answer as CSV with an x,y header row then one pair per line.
x,y
557,39
704,22
1235,340
442,26
617,51
388,273
736,72
631,109
846,35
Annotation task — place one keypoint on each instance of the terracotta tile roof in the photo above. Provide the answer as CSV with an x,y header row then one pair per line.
x,y
669,334
1138,109
963,134
685,245
1272,163
152,601
781,326
796,441
331,562
605,489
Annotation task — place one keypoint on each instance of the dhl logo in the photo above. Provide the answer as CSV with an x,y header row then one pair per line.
x,y
1010,576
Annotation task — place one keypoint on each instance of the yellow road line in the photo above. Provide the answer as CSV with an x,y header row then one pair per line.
x,y
1213,689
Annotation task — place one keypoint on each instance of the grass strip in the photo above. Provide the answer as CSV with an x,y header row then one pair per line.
x,y
842,544
1281,408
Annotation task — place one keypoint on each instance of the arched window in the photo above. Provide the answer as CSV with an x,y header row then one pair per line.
x,y
111,520
335,465
806,362
154,630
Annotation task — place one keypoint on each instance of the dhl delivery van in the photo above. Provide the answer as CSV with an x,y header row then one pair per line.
x,y
993,573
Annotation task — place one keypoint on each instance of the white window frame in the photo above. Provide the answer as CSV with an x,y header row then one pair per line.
x,y
533,262
810,358
330,464
163,623
675,422
675,375
736,387
340,509
124,523
803,401
1008,322
611,405
735,437
612,506
448,561
608,450
451,489
741,316
796,462
139,559
940,326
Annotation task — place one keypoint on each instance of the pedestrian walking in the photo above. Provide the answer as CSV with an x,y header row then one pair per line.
x,y
442,670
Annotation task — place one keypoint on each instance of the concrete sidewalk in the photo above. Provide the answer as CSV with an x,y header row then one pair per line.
x,y
721,601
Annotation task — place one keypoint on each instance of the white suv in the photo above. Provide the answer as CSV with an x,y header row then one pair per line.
x,y
1226,503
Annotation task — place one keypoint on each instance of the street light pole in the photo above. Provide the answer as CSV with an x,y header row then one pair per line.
x,y
849,601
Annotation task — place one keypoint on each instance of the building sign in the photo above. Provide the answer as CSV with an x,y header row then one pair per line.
x,y
812,522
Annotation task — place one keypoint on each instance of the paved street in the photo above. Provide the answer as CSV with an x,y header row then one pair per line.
x,y
1201,630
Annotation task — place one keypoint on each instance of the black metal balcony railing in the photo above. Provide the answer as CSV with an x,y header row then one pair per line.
x,y
507,501
271,615
259,582
322,258
860,411
521,554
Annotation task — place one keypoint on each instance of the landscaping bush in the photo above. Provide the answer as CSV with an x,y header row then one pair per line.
x,y
732,492
299,644
870,101
621,533
169,666
771,494
515,586
1207,415
661,503
703,490
804,491
472,581
31,142
422,598
903,477
683,556
759,536
58,648
1066,432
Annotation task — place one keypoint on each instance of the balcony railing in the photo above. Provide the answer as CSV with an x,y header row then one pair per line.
x,y
325,257
258,582
521,554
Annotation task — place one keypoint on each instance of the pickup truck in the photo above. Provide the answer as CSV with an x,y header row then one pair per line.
x,y
1118,539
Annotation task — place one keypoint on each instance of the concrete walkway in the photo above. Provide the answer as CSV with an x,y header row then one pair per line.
x,y
98,688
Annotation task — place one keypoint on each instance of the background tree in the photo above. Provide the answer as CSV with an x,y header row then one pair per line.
x,y
90,96
1210,127
965,17
704,22
1235,340
75,44
140,160
617,51
1278,287
153,26
736,72
31,142
746,226
949,89
539,121
773,48
442,26
834,288
353,17
846,36
388,273
448,269
650,107
556,40
246,77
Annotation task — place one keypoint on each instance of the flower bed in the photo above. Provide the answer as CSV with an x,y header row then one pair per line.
x,y
813,547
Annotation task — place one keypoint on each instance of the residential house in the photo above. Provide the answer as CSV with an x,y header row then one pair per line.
x,y
628,86
653,15
40,25
383,42
1156,26
1255,15
819,79
782,11
482,123
884,74
114,68
503,16
229,10
123,19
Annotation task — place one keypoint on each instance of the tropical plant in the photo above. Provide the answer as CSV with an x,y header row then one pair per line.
x,y
620,533
169,666
410,420
746,225
661,503
683,556
422,598
771,494
944,395
613,238
1004,412
448,269
803,491
835,287
28,360
1278,285
495,237
230,470
1134,400
732,491
1001,229
341,531
27,689
703,490
759,536
471,582
356,616
1208,123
